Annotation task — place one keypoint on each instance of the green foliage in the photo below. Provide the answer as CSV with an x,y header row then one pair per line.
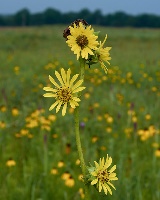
x,y
113,110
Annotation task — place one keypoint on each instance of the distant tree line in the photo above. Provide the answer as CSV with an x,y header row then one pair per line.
x,y
53,16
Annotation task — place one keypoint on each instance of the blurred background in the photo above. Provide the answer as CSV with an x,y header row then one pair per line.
x,y
136,13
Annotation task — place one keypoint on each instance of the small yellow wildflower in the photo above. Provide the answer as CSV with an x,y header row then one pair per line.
x,y
54,171
2,124
148,117
15,111
157,153
65,92
52,117
81,192
65,175
10,163
78,162
60,164
94,139
70,182
3,108
101,176
82,40
103,54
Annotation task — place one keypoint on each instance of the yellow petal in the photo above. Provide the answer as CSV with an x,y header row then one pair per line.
x,y
96,164
63,74
108,162
105,189
72,104
113,178
112,169
53,105
112,175
59,77
49,89
108,188
53,81
78,89
94,181
111,185
68,76
64,109
77,84
49,95
58,107
76,99
100,186
73,79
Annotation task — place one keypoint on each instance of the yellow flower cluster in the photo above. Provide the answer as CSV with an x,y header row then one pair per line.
x,y
83,42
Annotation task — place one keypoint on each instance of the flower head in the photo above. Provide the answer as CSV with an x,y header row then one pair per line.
x,y
82,40
103,54
65,92
101,176
66,32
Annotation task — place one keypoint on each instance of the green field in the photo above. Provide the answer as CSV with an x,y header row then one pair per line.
x,y
120,113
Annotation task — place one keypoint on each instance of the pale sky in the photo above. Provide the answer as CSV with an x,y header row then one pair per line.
x,y
106,6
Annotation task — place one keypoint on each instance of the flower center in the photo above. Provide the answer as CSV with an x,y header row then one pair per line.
x,y
103,176
82,41
64,94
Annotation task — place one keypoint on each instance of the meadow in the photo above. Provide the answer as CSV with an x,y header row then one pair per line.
x,y
119,115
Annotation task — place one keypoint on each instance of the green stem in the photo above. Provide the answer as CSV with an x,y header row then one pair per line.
x,y
78,140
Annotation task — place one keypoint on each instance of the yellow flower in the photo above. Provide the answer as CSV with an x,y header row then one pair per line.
x,y
10,163
69,182
157,153
15,111
2,124
103,54
54,171
60,164
82,40
101,176
65,92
